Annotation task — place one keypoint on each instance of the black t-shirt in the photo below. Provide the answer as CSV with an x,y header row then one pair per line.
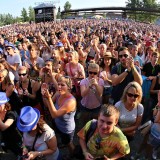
x,y
11,136
117,90
149,70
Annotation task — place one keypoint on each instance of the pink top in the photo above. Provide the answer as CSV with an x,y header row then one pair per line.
x,y
91,100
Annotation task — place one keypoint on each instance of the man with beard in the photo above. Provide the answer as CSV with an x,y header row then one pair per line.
x,y
107,141
124,72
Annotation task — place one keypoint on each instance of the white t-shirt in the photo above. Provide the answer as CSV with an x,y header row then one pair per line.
x,y
12,60
128,118
41,144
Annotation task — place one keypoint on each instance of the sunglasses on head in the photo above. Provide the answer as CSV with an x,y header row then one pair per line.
x,y
132,95
123,55
23,74
95,73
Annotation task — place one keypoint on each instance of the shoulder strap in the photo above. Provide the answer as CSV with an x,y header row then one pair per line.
x,y
91,130
34,142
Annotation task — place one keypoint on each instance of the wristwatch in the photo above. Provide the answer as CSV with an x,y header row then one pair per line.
x,y
126,70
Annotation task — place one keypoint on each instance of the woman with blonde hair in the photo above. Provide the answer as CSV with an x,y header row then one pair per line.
x,y
131,109
91,92
63,111
75,71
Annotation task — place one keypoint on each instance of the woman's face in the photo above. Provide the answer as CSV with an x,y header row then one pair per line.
x,y
22,75
62,87
132,95
33,53
93,72
71,57
107,61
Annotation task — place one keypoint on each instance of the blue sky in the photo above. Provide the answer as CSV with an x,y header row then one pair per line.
x,y
14,7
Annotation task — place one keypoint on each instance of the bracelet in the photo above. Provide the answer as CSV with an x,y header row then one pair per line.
x,y
40,154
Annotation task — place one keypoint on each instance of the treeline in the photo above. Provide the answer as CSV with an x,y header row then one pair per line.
x,y
26,16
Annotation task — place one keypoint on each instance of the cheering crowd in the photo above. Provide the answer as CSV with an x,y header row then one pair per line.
x,y
98,80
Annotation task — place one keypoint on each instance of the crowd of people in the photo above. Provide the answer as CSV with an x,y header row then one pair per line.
x,y
97,80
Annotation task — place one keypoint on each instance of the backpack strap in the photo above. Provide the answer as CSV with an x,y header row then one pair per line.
x,y
91,130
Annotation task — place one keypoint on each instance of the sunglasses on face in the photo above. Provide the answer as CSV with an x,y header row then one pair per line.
x,y
132,95
123,55
95,73
22,74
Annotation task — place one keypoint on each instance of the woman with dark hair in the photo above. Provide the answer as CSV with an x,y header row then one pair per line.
x,y
11,137
105,74
34,63
39,140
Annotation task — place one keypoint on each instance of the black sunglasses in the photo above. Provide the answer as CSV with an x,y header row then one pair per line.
x,y
95,73
132,95
123,55
23,74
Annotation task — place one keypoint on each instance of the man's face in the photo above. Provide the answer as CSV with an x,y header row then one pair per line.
x,y
123,55
134,51
154,59
106,124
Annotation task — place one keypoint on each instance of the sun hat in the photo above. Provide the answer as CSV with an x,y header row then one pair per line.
x,y
108,54
28,118
59,44
3,98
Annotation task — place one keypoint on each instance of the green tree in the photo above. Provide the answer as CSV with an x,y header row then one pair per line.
x,y
141,15
24,15
67,6
31,14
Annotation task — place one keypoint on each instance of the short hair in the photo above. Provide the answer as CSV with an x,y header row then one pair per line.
x,y
109,110
155,54
138,89
93,65
67,80
122,49
23,68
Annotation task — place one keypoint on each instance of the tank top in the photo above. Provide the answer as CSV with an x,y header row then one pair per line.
x,y
65,123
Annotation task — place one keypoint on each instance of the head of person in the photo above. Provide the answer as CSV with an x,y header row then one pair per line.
x,y
93,69
149,50
23,73
4,105
107,119
60,46
29,119
33,50
24,46
64,84
50,64
154,58
103,48
158,44
73,56
4,76
19,46
10,48
111,47
123,54
134,50
132,94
